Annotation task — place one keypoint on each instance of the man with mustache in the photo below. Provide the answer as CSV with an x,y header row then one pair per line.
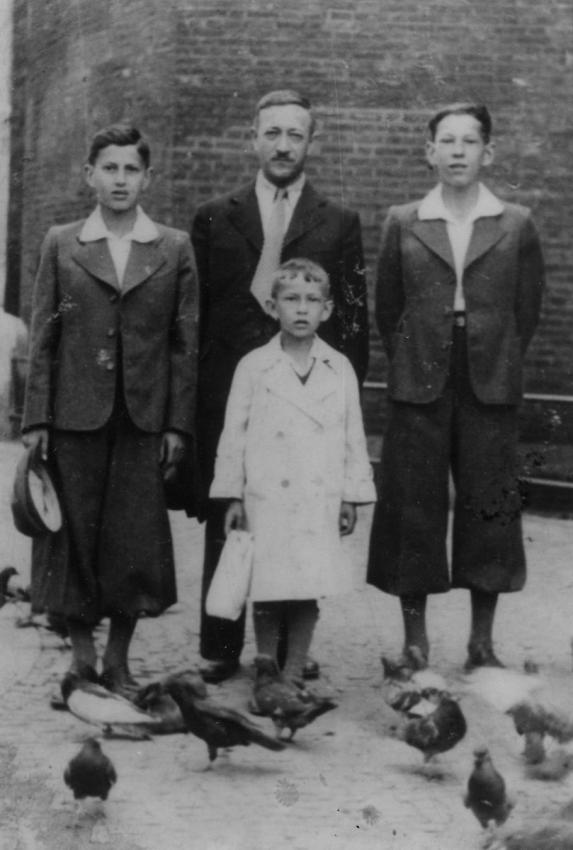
x,y
240,239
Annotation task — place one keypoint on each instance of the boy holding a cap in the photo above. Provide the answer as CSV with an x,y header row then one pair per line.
x,y
110,399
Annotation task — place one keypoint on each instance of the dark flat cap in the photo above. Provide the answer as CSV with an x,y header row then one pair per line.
x,y
35,506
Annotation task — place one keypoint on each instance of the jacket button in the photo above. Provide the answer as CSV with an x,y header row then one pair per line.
x,y
110,367
280,434
113,298
111,332
285,482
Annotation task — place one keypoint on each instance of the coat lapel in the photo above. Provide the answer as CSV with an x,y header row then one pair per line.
x,y
145,258
434,235
245,216
307,214
308,398
486,232
95,258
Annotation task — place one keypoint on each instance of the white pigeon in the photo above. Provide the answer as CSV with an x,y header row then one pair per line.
x,y
94,704
537,703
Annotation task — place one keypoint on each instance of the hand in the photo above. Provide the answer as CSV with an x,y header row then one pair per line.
x,y
38,440
172,449
346,518
235,516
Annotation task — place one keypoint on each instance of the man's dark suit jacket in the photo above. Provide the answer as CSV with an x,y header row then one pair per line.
x,y
503,286
227,237
83,322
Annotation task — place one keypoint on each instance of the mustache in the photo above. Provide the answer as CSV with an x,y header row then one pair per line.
x,y
282,157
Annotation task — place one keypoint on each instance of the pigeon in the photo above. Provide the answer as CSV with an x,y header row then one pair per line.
x,y
210,721
163,707
90,773
534,750
5,575
94,704
537,703
542,830
554,767
486,795
402,668
552,836
404,688
289,706
438,730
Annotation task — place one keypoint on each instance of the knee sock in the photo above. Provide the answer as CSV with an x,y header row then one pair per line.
x,y
483,613
414,616
83,647
267,618
302,617
121,631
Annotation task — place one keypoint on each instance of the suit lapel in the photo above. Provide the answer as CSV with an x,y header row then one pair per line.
x,y
486,232
145,258
245,216
434,235
95,258
307,214
309,398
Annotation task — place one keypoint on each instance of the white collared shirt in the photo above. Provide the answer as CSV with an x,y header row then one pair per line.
x,y
459,232
266,194
95,228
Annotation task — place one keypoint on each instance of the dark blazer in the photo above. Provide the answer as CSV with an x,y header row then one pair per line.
x,y
227,237
82,323
503,284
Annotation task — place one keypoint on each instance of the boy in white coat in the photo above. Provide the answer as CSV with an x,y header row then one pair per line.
x,y
293,461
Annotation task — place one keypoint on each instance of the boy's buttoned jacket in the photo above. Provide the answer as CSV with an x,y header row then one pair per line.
x,y
294,452
86,331
502,280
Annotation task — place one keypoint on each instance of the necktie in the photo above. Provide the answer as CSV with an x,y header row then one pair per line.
x,y
271,254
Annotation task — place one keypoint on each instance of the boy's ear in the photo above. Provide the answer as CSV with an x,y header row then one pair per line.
x,y
327,310
489,153
271,308
430,151
88,173
149,175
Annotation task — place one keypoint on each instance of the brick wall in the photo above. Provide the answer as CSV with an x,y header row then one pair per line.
x,y
189,72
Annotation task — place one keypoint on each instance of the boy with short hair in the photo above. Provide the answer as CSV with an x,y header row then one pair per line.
x,y
110,399
292,459
460,280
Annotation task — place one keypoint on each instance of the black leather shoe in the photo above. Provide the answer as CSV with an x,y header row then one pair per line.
x,y
311,670
118,680
481,656
214,672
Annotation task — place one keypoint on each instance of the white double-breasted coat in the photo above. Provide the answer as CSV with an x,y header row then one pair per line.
x,y
293,452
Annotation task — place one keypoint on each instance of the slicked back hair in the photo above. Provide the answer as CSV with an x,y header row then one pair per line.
x,y
122,135
476,110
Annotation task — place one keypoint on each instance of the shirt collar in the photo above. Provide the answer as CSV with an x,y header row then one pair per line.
x,y
319,351
432,206
95,228
262,185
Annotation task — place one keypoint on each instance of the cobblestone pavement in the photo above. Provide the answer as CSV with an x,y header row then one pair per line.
x,y
342,783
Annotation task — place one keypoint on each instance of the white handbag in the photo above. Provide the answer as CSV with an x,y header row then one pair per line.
x,y
231,582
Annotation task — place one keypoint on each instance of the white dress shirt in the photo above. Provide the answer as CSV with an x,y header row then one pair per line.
x,y
459,232
266,193
95,228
